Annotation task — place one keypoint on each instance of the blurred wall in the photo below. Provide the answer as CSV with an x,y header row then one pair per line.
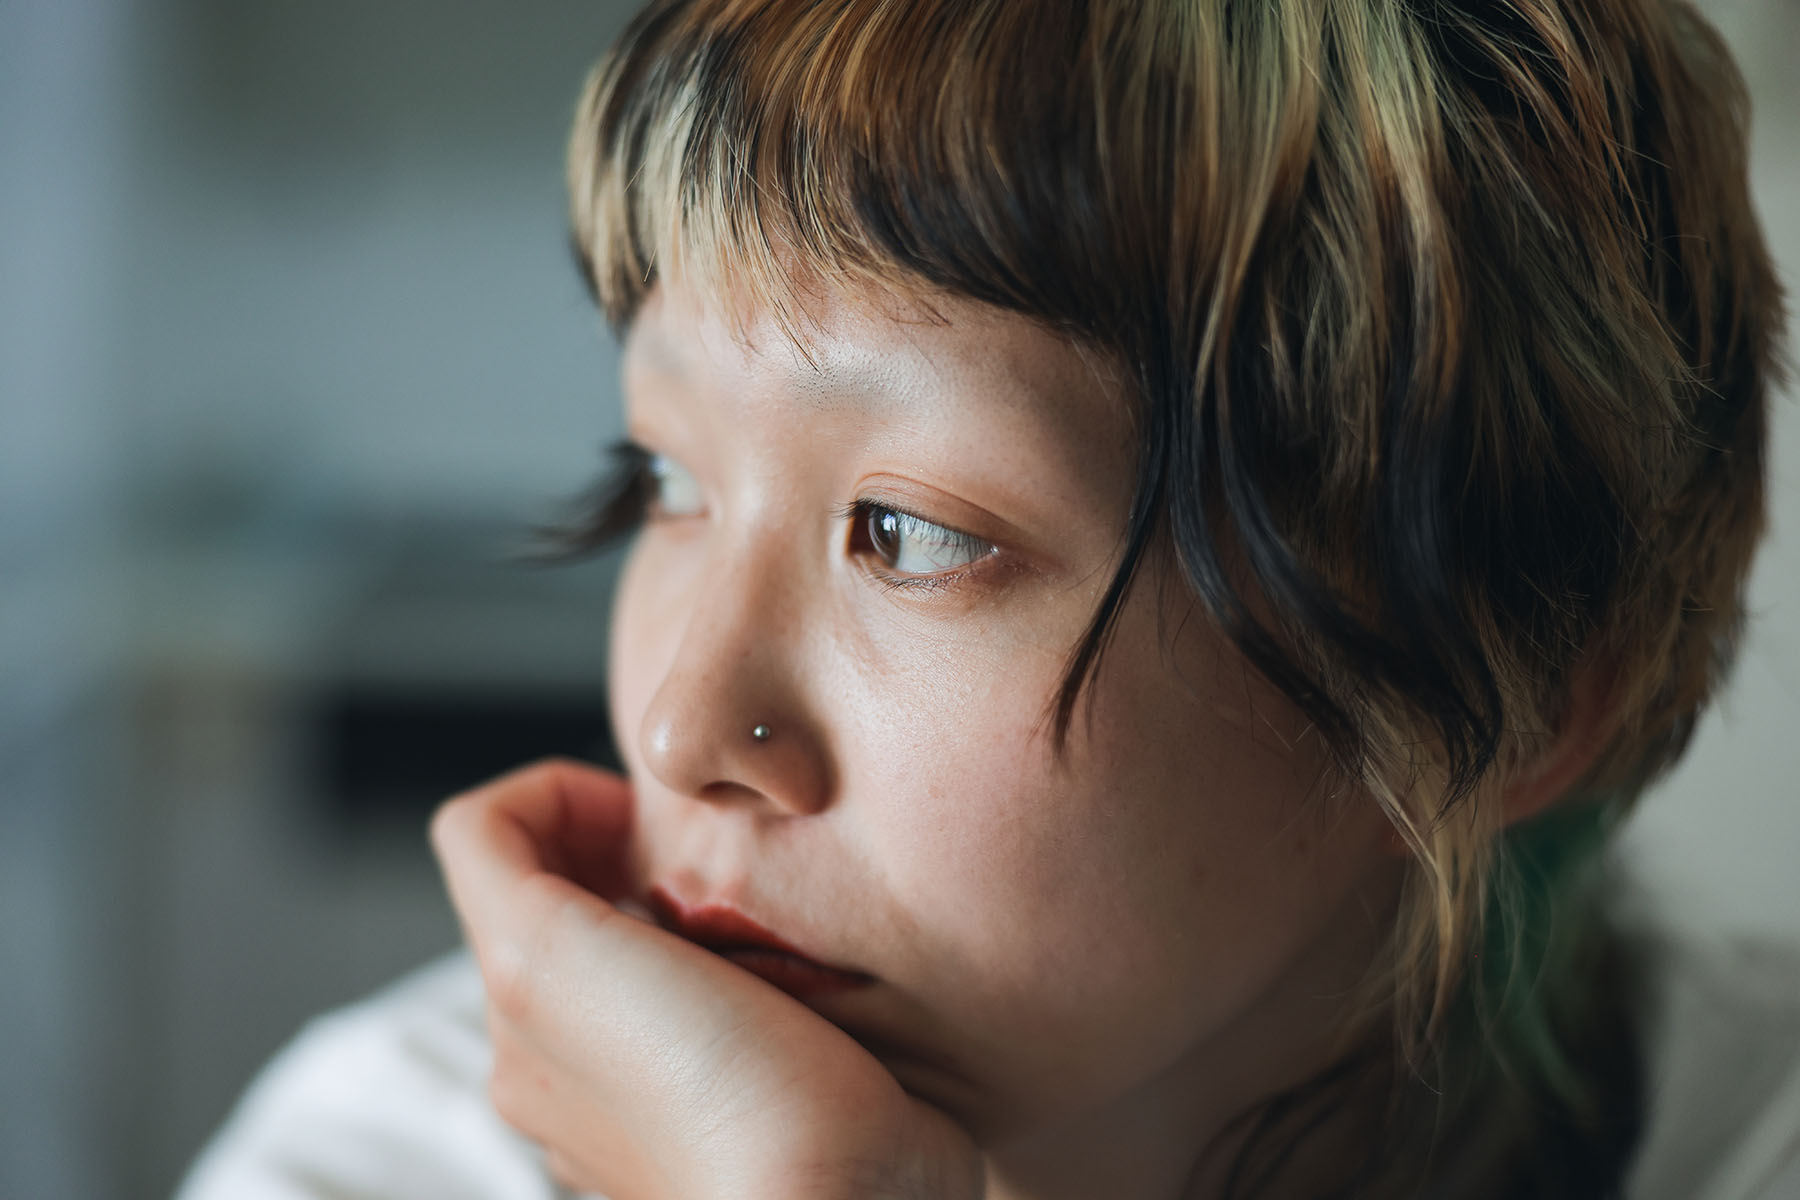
x,y
349,277
293,355
291,352
63,131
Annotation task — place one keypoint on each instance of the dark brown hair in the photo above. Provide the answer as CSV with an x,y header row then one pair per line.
x,y
1450,324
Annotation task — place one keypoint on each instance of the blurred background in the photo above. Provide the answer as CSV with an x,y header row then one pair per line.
x,y
292,358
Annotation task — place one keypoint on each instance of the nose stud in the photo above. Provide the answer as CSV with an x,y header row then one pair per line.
x,y
761,733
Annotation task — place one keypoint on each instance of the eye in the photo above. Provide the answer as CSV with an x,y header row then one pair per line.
x,y
909,545
674,492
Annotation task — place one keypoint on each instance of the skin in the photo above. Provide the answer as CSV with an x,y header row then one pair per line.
x,y
1087,961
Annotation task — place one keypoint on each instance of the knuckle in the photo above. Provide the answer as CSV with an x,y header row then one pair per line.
x,y
451,818
521,976
512,984
509,988
546,772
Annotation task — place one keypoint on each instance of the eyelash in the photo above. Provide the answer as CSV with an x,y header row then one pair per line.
x,y
622,501
613,507
859,512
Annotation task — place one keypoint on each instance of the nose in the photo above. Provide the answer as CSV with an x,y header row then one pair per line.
x,y
729,722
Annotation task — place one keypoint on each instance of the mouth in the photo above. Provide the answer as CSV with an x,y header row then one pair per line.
x,y
732,935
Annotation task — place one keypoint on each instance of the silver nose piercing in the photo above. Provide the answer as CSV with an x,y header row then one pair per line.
x,y
761,733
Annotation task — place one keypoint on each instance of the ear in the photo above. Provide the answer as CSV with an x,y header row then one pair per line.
x,y
1589,723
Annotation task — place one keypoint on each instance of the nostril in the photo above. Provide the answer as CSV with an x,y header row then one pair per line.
x,y
727,791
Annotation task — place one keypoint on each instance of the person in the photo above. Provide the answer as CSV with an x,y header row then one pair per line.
x,y
1168,534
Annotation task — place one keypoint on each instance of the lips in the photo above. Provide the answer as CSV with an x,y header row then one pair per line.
x,y
732,935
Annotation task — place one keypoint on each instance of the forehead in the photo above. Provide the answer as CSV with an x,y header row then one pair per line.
x,y
878,350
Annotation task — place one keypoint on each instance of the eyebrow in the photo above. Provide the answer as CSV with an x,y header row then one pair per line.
x,y
866,380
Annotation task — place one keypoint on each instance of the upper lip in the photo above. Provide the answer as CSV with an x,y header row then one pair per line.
x,y
720,926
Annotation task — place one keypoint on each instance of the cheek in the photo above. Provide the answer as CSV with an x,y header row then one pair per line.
x,y
1124,866
1091,914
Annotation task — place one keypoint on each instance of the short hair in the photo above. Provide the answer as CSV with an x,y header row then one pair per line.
x,y
1450,325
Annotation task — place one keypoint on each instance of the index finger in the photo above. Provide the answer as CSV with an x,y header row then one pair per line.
x,y
556,817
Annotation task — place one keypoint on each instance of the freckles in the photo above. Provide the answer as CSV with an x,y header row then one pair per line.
x,y
976,806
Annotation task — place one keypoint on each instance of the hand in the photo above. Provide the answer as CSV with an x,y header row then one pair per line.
x,y
648,1067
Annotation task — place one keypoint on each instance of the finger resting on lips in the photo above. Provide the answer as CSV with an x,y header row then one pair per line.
x,y
563,963
505,872
555,816
565,808
549,950
582,818
561,968
553,954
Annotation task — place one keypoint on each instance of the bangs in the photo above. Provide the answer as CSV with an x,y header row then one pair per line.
x,y
756,149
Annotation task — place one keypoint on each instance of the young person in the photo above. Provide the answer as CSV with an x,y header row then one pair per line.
x,y
1170,535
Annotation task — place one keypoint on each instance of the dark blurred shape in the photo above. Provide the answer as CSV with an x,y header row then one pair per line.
x,y
391,755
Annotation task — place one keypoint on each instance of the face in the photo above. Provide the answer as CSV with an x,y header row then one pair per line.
x,y
884,549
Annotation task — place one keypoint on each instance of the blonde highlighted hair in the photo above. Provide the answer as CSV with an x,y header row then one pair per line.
x,y
1450,326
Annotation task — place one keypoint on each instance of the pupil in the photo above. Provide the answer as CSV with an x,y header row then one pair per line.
x,y
884,534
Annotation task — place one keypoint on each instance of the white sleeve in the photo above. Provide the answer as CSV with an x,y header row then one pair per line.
x,y
385,1100
1722,1070
1765,1163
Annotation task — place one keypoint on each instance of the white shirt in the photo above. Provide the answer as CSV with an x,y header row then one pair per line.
x,y
1722,1031
387,1099
384,1100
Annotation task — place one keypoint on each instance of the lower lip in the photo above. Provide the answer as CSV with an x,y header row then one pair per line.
x,y
798,977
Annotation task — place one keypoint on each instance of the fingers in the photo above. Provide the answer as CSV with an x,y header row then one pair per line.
x,y
552,815
514,849
516,853
645,1065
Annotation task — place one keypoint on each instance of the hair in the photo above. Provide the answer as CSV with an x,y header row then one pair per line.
x,y
1450,329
